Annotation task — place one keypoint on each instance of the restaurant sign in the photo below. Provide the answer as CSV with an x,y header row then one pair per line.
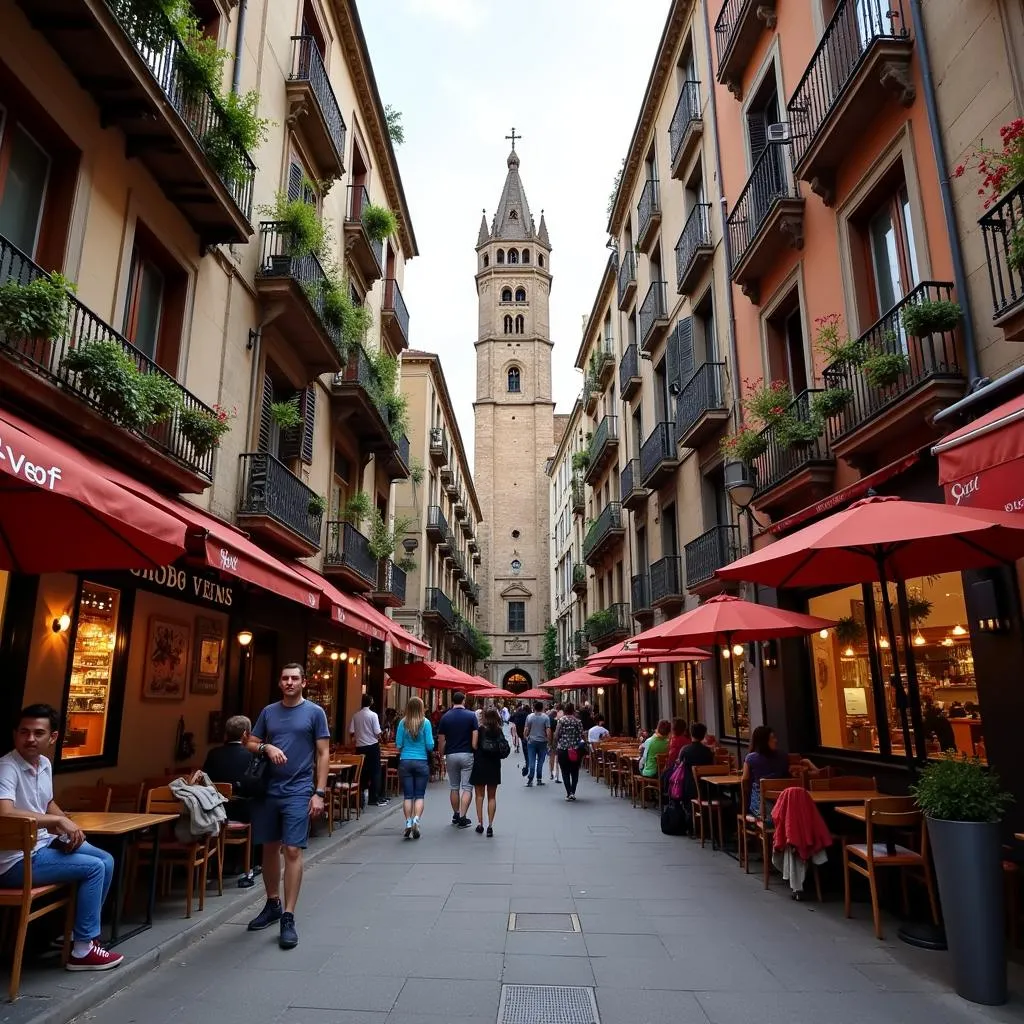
x,y
186,585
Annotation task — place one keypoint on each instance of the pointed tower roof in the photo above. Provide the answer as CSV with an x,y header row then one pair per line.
x,y
512,220
542,233
484,236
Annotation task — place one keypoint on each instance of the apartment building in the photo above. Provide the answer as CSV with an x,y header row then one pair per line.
x,y
439,508
236,233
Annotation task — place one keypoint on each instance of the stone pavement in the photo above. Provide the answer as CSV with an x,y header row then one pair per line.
x,y
405,932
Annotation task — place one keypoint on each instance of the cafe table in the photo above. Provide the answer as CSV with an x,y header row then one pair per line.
x,y
121,826
843,796
720,782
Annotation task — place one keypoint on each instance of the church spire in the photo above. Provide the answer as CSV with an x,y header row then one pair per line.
x,y
512,220
542,232
484,236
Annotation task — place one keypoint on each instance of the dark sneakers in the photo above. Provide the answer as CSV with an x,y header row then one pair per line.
x,y
267,916
289,936
456,817
464,823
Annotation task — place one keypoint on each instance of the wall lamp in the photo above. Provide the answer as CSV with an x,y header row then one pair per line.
x,y
61,623
244,637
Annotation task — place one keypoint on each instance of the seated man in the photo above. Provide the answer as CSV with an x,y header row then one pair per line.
x,y
228,763
61,853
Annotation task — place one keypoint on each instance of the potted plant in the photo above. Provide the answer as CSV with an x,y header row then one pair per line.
x,y
32,315
767,403
580,460
203,429
416,471
831,402
301,222
160,395
745,445
108,375
379,221
839,351
357,508
930,316
317,505
963,803
882,369
918,607
286,414
793,432
849,630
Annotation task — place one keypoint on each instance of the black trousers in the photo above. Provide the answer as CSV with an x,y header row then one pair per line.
x,y
370,776
570,772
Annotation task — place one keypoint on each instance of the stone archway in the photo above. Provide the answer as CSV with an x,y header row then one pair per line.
x,y
516,680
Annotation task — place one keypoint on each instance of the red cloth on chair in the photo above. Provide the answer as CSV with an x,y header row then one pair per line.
x,y
799,824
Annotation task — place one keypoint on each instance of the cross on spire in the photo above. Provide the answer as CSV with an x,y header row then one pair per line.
x,y
513,137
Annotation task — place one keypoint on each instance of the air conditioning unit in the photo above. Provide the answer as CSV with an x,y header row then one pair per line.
x,y
779,132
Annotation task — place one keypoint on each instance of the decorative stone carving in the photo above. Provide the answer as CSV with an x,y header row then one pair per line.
x,y
896,78
517,646
766,13
793,229
734,85
752,290
823,185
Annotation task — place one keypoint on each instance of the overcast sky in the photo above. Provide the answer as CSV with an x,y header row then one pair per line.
x,y
570,76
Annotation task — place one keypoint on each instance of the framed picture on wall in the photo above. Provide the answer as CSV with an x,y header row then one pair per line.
x,y
209,656
165,670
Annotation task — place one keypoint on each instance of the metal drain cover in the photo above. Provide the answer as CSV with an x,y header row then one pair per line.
x,y
609,830
543,923
547,1004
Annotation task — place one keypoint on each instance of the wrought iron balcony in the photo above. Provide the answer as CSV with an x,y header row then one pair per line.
x,y
1002,229
640,596
686,127
579,579
702,408
131,62
313,108
37,373
295,283
768,217
367,253
737,31
391,583
709,552
629,373
626,278
648,215
348,555
694,249
659,456
457,560
607,530
930,379
862,60
277,506
604,446
667,582
437,525
396,462
653,316
394,315
438,606
361,407
631,493
467,527
473,593
602,363
580,643
608,625
438,446
578,499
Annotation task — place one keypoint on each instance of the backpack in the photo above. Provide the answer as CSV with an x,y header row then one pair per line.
x,y
673,820
495,745
675,782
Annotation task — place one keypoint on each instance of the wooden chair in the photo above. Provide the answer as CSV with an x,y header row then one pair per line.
x,y
746,826
390,764
869,857
628,768
19,833
125,797
701,804
644,785
858,783
770,790
613,770
194,857
345,793
233,833
85,798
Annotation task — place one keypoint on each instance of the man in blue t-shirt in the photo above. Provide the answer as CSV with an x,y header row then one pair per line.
x,y
294,737
455,743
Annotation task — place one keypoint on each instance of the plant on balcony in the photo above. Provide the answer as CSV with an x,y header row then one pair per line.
x,y
344,314
149,20
550,651
930,316
203,429
579,574
794,432
581,460
160,395
386,394
1015,251
601,623
767,403
317,505
286,414
383,540
406,563
830,402
357,508
480,644
379,221
199,61
849,630
1001,170
416,471
746,445
837,350
307,233
237,133
37,311
883,368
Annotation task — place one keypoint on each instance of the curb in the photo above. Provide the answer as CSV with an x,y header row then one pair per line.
x,y
108,985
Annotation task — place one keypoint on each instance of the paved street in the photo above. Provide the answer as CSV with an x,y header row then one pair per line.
x,y
404,932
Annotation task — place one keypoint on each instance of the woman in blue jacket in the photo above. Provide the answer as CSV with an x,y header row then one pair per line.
x,y
415,741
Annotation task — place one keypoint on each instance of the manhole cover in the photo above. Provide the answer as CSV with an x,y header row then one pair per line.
x,y
543,923
547,1004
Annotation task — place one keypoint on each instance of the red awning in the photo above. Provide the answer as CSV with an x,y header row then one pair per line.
x,y
62,510
981,465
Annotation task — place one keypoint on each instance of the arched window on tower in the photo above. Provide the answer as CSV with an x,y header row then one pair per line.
x,y
514,380
520,324
513,255
499,256
508,325
540,260
526,255
487,260
506,294
520,295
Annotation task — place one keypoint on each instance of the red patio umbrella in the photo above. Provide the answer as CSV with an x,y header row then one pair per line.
x,y
434,675
535,693
493,691
581,677
882,539
626,654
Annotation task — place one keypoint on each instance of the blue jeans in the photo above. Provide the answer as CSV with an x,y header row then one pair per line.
x,y
414,776
535,754
89,866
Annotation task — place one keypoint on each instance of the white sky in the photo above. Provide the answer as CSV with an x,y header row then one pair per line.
x,y
570,75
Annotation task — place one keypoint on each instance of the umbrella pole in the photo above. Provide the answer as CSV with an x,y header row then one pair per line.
x,y
897,681
735,705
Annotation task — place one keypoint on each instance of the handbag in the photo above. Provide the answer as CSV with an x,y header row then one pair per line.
x,y
255,779
495,745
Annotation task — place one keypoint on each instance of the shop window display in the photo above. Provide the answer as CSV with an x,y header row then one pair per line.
x,y
330,670
735,723
685,694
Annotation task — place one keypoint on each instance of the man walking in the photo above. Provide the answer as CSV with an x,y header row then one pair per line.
x,y
364,731
455,744
537,736
518,730
61,853
294,737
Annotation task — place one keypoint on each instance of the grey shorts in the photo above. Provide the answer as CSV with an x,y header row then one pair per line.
x,y
459,768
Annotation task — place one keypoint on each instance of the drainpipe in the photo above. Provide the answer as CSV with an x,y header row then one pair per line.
x,y
236,75
959,277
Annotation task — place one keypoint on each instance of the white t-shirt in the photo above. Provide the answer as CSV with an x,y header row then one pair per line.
x,y
597,733
366,726
30,789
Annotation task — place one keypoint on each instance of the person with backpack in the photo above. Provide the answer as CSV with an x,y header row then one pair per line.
x,y
490,748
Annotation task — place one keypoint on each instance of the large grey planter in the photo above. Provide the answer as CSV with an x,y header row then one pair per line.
x,y
968,866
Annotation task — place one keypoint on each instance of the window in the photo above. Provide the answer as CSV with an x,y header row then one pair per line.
x,y
520,295
890,260
499,256
514,379
540,261
506,295
520,324
517,616
513,255
508,324
24,187
787,352
487,260
155,301
526,255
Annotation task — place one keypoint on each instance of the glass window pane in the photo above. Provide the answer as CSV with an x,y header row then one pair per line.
x,y
24,191
735,721
149,299
885,259
908,233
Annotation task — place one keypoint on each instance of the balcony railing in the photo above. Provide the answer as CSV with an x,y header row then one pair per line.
x,y
667,580
702,394
653,311
579,577
687,112
608,622
308,66
603,360
395,304
358,201
607,523
694,240
439,446
604,441
640,595
580,643
780,459
627,275
436,602
44,357
658,454
271,489
631,491
473,593
648,210
348,548
437,525
710,551
768,183
933,357
854,27
578,497
629,373
1002,229
391,582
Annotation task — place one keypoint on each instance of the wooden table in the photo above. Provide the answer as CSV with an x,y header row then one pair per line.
x,y
723,782
857,812
843,796
122,826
